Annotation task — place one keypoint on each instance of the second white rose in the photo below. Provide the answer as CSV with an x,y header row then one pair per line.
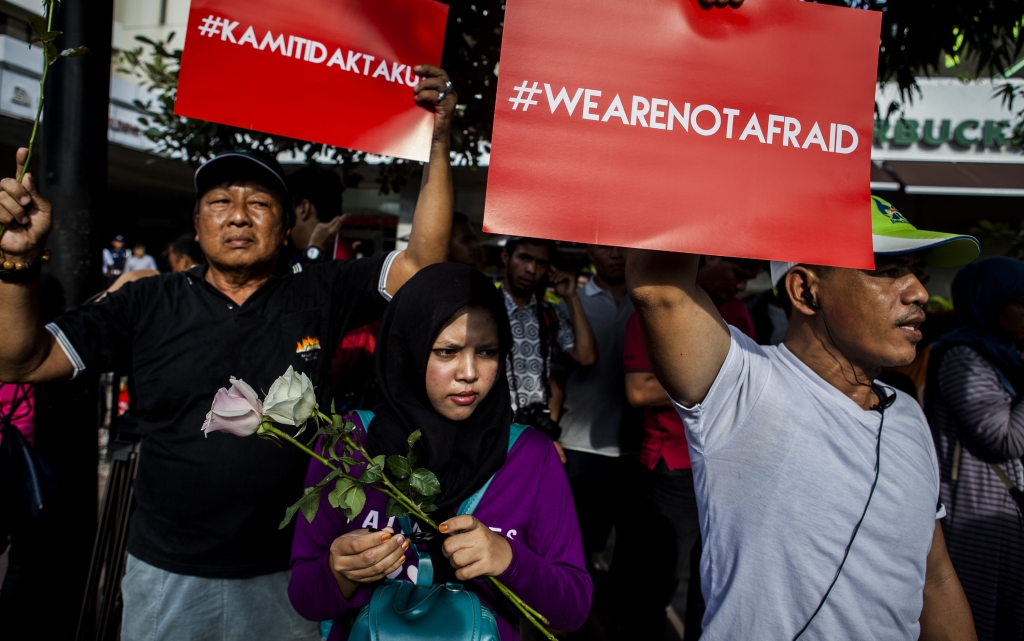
x,y
291,399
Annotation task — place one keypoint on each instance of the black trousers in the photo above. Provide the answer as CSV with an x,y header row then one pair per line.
x,y
600,485
617,492
673,497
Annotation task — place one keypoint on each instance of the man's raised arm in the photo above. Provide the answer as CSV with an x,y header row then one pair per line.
x,y
28,353
432,220
686,339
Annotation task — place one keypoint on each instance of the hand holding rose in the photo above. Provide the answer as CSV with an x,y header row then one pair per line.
x,y
362,556
473,549
25,216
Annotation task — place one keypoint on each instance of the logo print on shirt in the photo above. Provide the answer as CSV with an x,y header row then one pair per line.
x,y
308,348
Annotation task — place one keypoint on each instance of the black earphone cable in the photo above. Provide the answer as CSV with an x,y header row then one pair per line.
x,y
809,299
856,528
884,401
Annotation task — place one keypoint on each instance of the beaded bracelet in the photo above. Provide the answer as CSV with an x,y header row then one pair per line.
x,y
19,272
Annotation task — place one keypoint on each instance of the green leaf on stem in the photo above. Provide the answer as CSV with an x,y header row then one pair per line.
x,y
349,460
51,52
49,36
289,513
403,485
320,431
356,498
378,461
395,509
424,482
371,474
337,495
38,24
415,436
309,504
411,458
349,496
428,507
330,476
399,466
332,445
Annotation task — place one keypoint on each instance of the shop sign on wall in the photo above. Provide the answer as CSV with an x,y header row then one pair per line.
x,y
949,121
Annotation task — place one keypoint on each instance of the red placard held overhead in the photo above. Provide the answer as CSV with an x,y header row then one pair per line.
x,y
669,124
338,72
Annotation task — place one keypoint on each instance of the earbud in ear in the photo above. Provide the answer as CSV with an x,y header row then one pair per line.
x,y
810,299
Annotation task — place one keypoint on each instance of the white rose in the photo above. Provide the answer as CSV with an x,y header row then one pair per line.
x,y
291,400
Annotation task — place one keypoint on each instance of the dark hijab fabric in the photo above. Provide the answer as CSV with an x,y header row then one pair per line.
x,y
463,455
980,292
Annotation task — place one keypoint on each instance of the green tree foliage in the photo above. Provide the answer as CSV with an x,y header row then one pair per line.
x,y
920,35
1003,232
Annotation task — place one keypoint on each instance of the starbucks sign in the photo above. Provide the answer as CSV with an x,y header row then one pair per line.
x,y
949,121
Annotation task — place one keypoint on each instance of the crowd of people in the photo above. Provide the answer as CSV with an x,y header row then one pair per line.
x,y
649,445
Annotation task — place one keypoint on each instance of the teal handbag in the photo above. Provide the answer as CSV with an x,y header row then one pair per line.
x,y
403,611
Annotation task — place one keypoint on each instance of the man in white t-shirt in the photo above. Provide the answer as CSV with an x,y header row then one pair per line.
x,y
139,260
801,538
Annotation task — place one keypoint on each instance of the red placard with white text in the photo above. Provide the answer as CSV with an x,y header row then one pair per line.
x,y
338,72
674,125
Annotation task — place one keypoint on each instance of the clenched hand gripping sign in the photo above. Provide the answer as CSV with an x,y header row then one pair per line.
x,y
331,71
668,124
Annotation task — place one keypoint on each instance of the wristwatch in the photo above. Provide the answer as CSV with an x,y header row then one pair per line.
x,y
313,254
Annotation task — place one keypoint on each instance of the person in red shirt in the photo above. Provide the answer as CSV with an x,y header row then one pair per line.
x,y
664,450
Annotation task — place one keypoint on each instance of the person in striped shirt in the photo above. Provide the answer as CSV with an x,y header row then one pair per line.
x,y
975,383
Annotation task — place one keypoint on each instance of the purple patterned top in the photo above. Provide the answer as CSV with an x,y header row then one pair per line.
x,y
529,503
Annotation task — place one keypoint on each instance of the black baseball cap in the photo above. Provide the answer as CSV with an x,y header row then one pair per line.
x,y
241,164
245,164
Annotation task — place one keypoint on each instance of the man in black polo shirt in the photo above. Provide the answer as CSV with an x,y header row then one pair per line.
x,y
207,560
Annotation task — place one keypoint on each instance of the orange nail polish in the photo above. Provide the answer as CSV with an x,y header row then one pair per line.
x,y
385,537
443,527
405,546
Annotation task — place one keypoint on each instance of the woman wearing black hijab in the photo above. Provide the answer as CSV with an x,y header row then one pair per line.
x,y
440,362
461,453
